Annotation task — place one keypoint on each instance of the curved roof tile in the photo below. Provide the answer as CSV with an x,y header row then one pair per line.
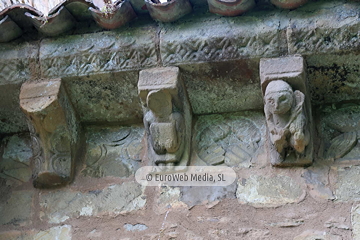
x,y
55,17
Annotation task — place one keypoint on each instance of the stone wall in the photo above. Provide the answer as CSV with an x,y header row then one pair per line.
x,y
105,202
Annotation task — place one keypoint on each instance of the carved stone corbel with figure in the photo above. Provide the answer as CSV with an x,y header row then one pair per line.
x,y
167,116
286,118
287,110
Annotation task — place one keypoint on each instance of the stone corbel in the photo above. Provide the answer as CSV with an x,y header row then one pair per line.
x,y
287,109
167,116
54,131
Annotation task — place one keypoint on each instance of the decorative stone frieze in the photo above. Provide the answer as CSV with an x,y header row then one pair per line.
x,y
18,62
104,52
288,111
54,131
167,116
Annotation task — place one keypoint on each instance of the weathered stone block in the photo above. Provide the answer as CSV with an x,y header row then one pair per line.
x,y
59,233
58,206
168,197
167,116
206,195
348,184
110,97
333,77
113,151
317,179
218,87
54,131
265,191
287,110
135,228
17,209
81,55
355,221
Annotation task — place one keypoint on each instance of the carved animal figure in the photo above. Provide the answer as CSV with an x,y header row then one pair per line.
x,y
165,128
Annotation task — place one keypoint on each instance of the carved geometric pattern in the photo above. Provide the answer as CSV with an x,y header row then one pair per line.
x,y
90,57
219,48
323,39
341,145
230,140
339,131
38,155
113,151
60,148
14,70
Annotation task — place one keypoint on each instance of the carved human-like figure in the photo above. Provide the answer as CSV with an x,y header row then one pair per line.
x,y
286,118
165,128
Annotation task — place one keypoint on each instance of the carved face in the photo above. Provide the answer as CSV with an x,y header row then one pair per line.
x,y
279,102
279,97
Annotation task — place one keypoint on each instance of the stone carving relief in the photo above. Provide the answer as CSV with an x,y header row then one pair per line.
x,y
286,107
15,67
285,117
53,130
195,49
233,140
339,130
133,51
341,145
167,116
311,38
113,151
15,155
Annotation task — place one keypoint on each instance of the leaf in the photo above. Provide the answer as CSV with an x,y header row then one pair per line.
x,y
341,145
